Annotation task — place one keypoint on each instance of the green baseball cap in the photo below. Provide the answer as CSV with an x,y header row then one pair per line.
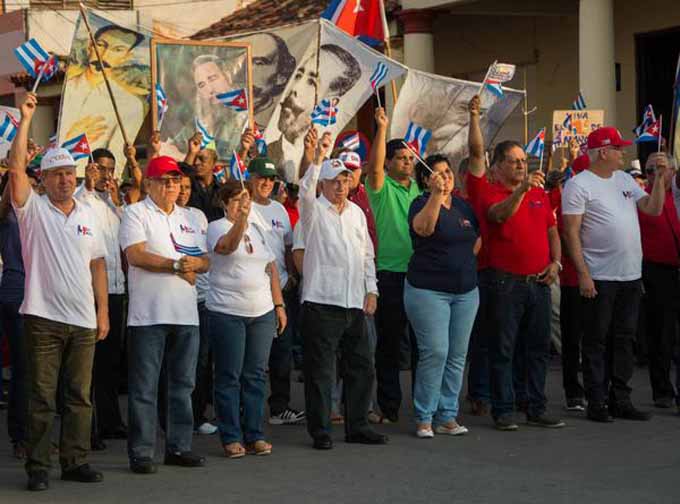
x,y
262,166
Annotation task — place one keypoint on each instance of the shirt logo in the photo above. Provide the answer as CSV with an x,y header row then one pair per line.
x,y
277,224
464,223
627,194
536,204
186,229
84,231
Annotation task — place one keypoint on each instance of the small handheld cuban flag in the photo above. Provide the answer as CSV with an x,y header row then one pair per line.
x,y
237,168
379,75
536,145
207,137
417,138
161,103
352,142
648,118
184,249
78,146
8,127
52,142
33,58
235,99
326,112
497,74
579,103
260,143
651,133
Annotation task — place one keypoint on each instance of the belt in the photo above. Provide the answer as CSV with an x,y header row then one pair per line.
x,y
514,276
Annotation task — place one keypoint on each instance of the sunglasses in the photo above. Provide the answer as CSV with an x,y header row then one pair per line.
x,y
167,182
248,243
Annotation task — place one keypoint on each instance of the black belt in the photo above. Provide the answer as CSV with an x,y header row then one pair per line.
x,y
514,276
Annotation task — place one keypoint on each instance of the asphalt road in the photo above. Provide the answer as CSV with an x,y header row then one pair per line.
x,y
619,463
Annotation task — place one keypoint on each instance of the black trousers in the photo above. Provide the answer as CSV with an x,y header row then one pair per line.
x,y
329,331
391,324
281,357
108,371
662,307
571,327
203,391
609,326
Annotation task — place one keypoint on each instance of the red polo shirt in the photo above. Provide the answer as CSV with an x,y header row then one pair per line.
x,y
360,198
519,245
661,235
476,187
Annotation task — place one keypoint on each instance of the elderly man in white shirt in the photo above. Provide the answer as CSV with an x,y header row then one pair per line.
x,y
100,192
165,249
65,307
338,289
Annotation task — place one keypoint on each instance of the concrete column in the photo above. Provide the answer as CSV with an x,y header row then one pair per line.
x,y
418,39
597,77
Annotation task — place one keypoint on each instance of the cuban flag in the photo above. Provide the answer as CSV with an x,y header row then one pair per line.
x,y
352,142
566,124
237,168
8,127
33,57
497,74
235,99
579,103
364,19
184,249
379,75
260,143
207,137
651,133
326,112
78,146
648,118
52,142
161,103
417,138
536,145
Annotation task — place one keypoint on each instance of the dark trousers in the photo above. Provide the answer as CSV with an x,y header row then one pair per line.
x,y
107,370
12,326
328,330
571,327
518,309
391,324
203,391
280,359
609,324
478,374
662,307
53,347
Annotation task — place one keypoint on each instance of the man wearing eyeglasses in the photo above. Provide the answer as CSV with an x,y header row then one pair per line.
x,y
600,212
165,249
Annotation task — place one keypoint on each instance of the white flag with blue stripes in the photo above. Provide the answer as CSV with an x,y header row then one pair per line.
x,y
579,103
417,138
379,75
537,144
8,127
31,55
207,137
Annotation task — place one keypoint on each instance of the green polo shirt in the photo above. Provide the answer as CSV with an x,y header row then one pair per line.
x,y
390,206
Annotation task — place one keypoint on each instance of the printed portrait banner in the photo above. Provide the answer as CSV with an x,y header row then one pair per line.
x,y
86,106
440,104
568,124
201,83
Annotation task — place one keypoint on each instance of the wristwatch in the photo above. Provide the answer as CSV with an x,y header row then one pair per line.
x,y
280,306
175,266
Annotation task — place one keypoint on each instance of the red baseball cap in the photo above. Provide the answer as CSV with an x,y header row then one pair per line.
x,y
606,136
581,163
162,165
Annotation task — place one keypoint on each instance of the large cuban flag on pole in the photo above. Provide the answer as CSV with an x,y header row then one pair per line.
x,y
364,19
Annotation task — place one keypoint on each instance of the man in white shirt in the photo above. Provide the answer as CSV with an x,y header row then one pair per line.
x,y
602,231
165,251
99,191
65,307
339,288
279,237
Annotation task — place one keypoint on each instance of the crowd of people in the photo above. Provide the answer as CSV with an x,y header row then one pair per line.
x,y
191,291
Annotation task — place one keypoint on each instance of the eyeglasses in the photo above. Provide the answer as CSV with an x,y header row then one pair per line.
x,y
167,182
248,243
516,161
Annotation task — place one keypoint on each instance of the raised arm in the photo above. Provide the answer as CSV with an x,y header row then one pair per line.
x,y
228,243
502,211
311,141
20,187
375,168
477,163
653,204
134,194
247,141
426,219
307,194
193,148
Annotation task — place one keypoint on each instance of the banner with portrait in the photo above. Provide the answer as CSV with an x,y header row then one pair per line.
x,y
192,76
440,104
86,106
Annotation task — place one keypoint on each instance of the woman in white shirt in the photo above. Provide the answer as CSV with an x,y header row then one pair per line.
x,y
245,309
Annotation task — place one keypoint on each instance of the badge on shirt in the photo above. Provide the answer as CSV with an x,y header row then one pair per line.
x,y
83,230
627,194
186,229
464,223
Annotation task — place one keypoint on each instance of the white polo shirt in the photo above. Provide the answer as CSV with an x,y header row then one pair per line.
x,y
108,217
279,234
57,250
161,298
338,267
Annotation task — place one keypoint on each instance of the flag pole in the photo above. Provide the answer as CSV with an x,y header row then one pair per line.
x,y
238,168
417,156
488,71
388,51
526,109
106,79
318,61
660,132
377,95
39,78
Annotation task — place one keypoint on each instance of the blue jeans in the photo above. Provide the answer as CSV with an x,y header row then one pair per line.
x,y
241,348
12,326
518,309
146,347
442,323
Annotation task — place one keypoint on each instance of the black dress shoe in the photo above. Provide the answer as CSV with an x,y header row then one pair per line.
x,y
142,465
627,411
82,474
98,445
117,433
38,481
323,442
598,413
184,459
367,437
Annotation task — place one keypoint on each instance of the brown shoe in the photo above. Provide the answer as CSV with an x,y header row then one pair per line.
x,y
259,447
234,450
478,408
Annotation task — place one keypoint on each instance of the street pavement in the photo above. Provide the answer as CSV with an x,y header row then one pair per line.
x,y
589,463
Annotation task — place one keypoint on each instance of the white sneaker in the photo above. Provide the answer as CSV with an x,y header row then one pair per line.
x,y
206,429
457,430
286,417
425,433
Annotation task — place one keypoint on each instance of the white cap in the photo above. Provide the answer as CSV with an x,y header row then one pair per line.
x,y
635,164
56,158
351,159
331,168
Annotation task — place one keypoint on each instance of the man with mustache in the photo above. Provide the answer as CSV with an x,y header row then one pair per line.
x,y
273,65
86,90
